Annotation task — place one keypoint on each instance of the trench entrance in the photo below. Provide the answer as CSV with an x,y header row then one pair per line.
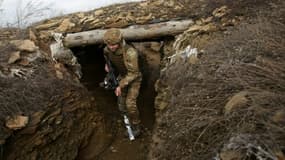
x,y
110,143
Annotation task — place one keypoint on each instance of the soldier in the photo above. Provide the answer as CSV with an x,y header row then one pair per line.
x,y
124,58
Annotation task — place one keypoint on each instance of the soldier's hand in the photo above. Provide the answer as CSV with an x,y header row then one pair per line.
x,y
118,91
106,68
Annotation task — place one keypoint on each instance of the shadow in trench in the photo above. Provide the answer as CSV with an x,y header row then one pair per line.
x,y
110,142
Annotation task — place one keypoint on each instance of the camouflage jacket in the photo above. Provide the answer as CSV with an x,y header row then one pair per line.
x,y
131,62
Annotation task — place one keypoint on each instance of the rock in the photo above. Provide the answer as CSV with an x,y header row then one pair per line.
x,y
203,28
130,17
99,12
94,21
236,101
144,19
220,12
17,122
113,149
279,117
207,20
32,36
59,74
120,24
36,118
47,25
59,119
80,15
88,19
24,45
65,25
158,3
14,57
231,155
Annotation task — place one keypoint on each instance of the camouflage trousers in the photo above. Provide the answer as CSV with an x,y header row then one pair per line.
x,y
127,102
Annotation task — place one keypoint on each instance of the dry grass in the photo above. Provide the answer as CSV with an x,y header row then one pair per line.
x,y
251,58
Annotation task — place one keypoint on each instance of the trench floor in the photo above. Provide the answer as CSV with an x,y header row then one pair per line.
x,y
111,143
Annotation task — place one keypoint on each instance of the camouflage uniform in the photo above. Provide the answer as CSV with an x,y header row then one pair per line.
x,y
125,61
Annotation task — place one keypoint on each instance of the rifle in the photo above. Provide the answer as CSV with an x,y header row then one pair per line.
x,y
110,81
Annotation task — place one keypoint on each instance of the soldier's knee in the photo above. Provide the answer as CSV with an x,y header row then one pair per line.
x,y
130,103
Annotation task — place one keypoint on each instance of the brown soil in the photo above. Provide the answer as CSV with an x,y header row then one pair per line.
x,y
247,58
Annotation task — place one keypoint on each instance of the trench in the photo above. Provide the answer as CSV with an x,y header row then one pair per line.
x,y
110,142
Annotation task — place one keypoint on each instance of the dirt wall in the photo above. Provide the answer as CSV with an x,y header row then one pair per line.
x,y
45,112
223,96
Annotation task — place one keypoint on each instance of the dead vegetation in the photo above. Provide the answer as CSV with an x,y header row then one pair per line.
x,y
229,105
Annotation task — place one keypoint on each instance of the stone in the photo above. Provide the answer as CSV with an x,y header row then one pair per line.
x,y
279,117
14,57
207,20
144,4
144,19
99,12
231,155
158,3
32,36
65,25
220,12
236,101
47,25
24,45
17,122
203,28
94,21
119,24
80,15
59,74
130,17
58,66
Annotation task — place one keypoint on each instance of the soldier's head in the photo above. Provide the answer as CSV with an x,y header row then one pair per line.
x,y
113,38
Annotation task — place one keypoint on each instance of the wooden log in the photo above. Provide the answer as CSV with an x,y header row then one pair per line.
x,y
131,33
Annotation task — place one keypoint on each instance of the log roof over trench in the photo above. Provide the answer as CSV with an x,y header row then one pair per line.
x,y
117,16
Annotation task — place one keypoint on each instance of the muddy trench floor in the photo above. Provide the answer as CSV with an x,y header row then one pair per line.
x,y
111,143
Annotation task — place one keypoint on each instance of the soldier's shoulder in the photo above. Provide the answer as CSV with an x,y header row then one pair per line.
x,y
131,51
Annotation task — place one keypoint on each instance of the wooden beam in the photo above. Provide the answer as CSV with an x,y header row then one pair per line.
x,y
131,33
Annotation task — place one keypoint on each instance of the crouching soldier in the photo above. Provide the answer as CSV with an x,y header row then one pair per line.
x,y
124,59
